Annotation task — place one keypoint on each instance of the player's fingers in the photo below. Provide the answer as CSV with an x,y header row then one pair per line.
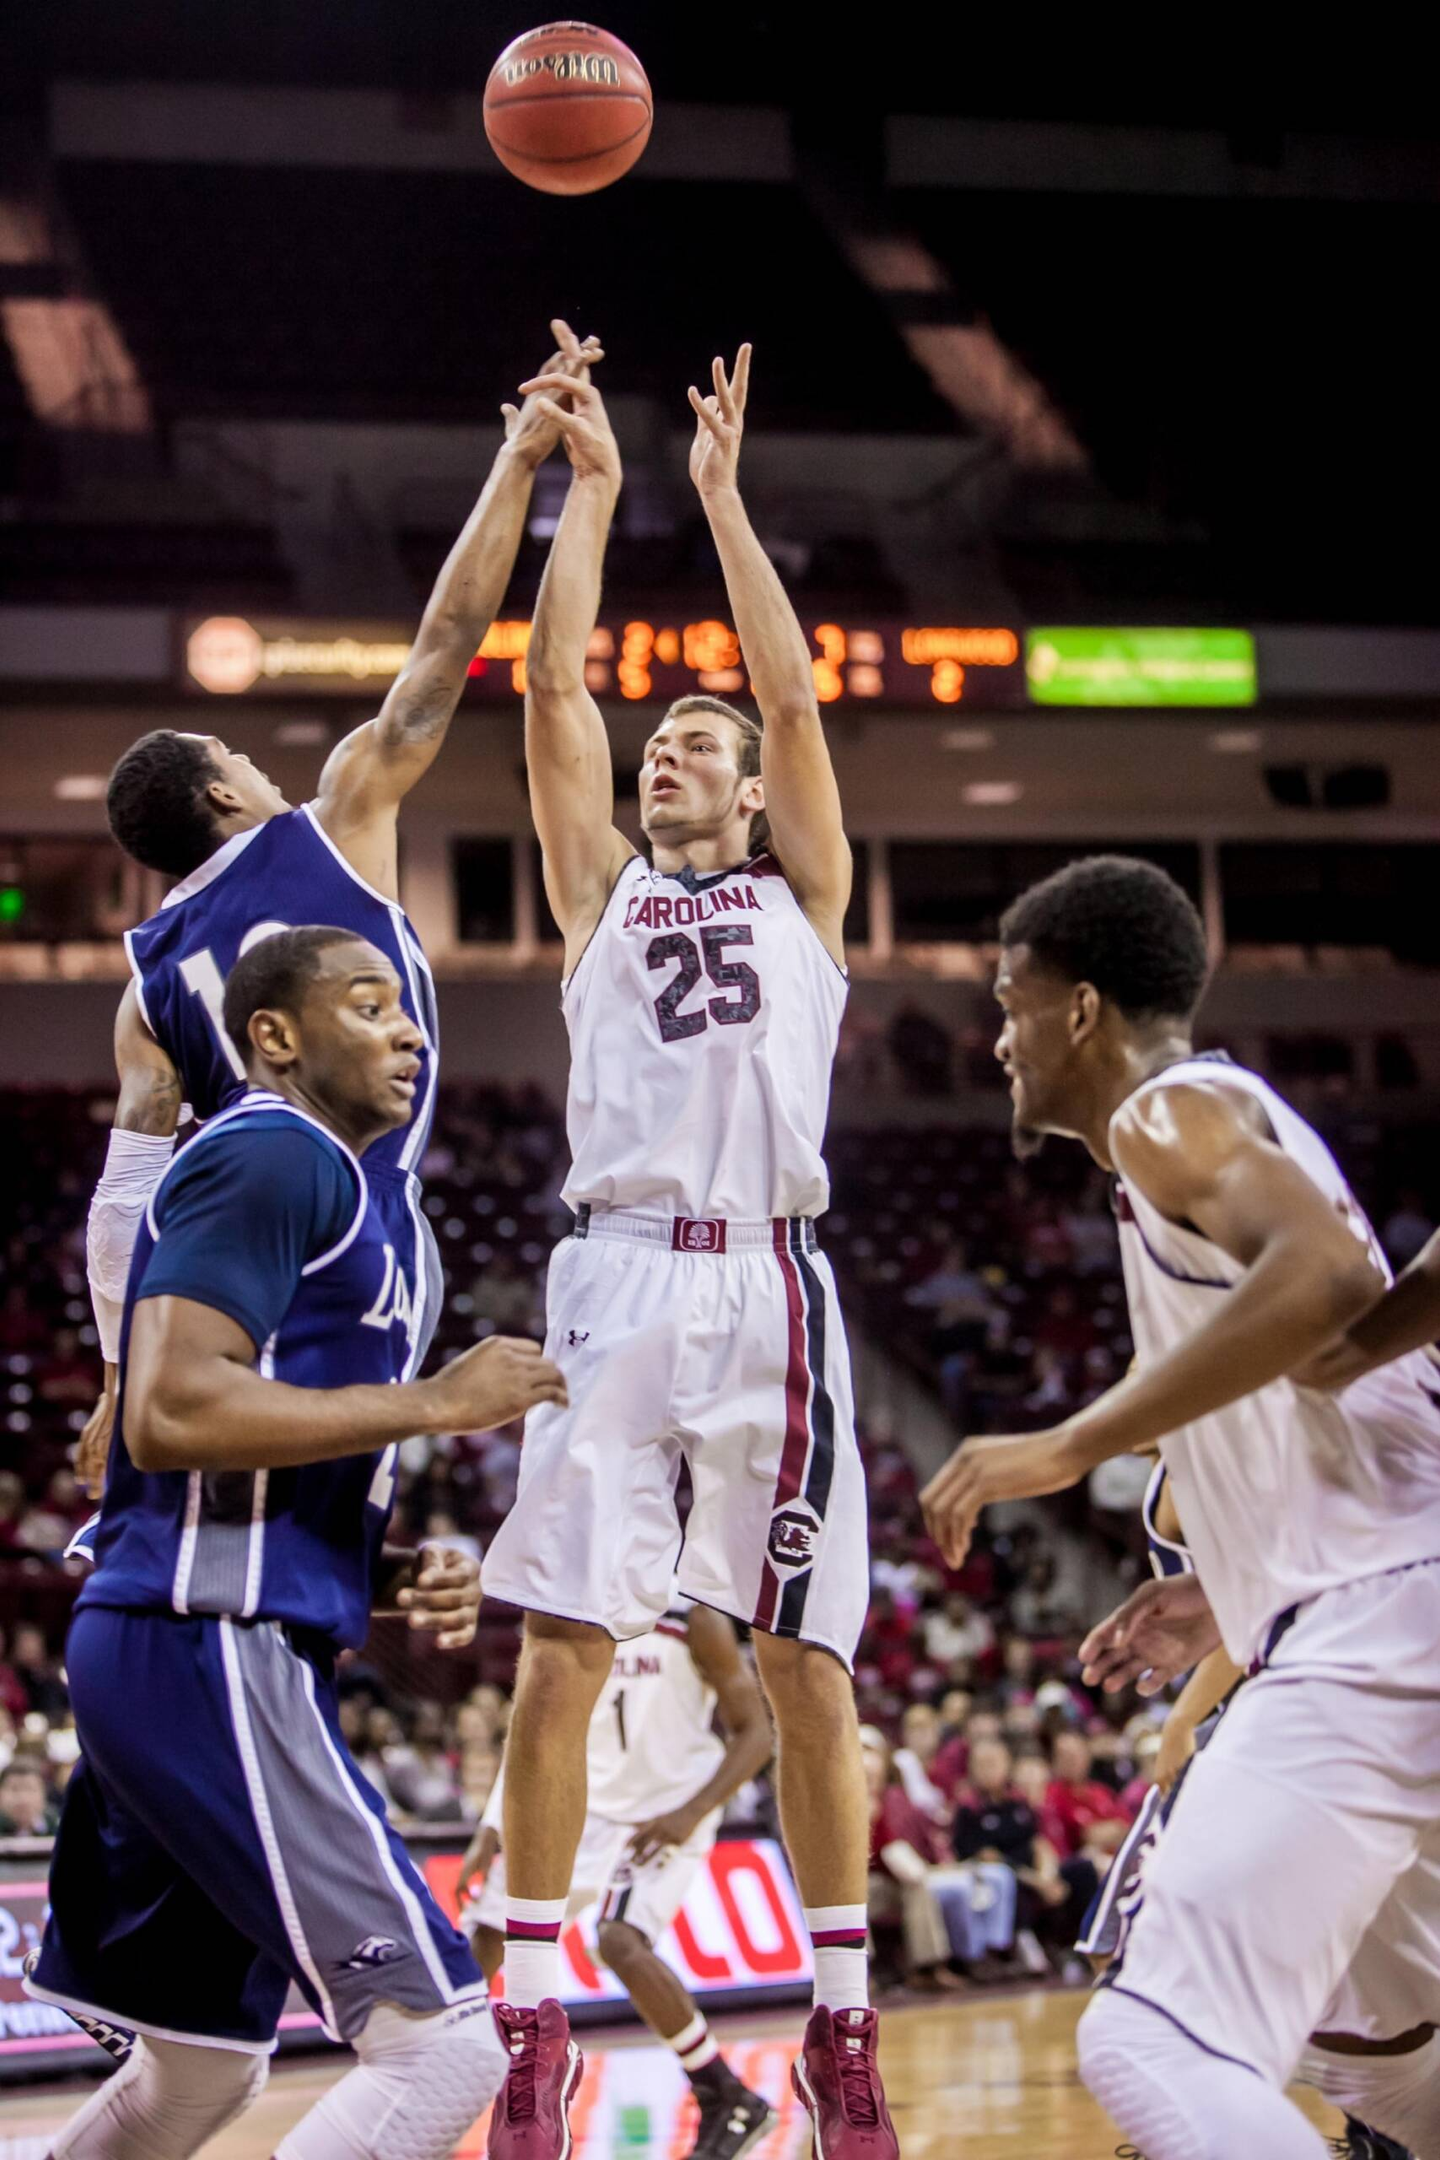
x,y
740,380
705,409
438,1602
558,382
722,387
457,1638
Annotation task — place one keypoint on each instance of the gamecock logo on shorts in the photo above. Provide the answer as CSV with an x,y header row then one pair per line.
x,y
794,1534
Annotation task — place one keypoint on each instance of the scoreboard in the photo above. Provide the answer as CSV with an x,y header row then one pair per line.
x,y
630,659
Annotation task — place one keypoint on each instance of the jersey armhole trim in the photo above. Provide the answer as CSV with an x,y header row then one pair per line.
x,y
138,979
569,982
386,900
769,855
313,1267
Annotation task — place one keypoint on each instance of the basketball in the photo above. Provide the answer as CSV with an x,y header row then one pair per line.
x,y
567,108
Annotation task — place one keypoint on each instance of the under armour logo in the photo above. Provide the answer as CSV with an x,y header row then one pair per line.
x,y
577,1336
375,1950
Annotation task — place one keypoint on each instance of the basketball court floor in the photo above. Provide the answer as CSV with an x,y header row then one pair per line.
x,y
987,2078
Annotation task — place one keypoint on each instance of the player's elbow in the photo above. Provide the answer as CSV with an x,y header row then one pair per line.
x,y
161,1427
1339,1284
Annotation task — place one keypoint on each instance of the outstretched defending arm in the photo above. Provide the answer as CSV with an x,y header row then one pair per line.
x,y
567,752
1197,1155
238,1224
142,1141
802,801
368,774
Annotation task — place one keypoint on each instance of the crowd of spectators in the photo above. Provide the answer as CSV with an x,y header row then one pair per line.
x,y
999,1786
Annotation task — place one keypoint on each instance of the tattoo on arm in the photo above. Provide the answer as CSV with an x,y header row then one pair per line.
x,y
149,1101
421,715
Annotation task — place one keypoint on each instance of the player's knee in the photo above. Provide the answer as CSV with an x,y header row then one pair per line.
x,y
563,1667
179,2096
437,2073
808,1687
620,1946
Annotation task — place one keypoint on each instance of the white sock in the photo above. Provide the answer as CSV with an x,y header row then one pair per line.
x,y
842,1964
694,2044
1175,2099
167,2101
532,1949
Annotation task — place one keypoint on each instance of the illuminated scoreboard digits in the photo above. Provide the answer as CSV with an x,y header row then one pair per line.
x,y
639,662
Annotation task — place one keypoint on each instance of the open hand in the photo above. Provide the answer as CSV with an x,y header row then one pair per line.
x,y
1162,1630
662,1830
493,1382
442,1595
719,426
531,428
995,1468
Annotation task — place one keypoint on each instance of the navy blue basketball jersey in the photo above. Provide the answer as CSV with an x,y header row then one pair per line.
x,y
277,876
268,1218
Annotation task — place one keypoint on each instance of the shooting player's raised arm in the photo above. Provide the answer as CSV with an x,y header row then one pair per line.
x,y
373,769
802,800
567,752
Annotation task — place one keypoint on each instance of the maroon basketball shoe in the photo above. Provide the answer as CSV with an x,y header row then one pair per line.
x,y
531,2118
838,2084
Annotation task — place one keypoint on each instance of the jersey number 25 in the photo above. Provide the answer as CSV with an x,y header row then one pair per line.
x,y
734,975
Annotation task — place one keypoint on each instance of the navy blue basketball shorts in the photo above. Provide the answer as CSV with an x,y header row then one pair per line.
x,y
218,1842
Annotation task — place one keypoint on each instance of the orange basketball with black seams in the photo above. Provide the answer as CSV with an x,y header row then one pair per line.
x,y
568,108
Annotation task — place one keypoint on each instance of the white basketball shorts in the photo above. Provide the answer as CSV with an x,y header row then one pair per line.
x,y
730,1354
645,1895
1297,1886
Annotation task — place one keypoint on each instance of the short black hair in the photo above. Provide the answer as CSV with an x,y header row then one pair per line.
x,y
276,973
1121,924
157,802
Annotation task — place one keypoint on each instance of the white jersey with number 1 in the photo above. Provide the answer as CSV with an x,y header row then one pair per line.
x,y
703,1017
652,1742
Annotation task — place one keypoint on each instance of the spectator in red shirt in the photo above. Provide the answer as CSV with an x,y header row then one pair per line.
x,y
1088,1816
951,1766
904,1851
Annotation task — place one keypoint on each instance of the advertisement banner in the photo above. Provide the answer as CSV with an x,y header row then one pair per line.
x,y
739,1930
1140,667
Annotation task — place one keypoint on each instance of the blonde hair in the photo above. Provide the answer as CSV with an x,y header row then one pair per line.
x,y
751,735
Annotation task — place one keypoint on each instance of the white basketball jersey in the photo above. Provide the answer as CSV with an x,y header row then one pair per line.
x,y
1287,1492
703,1017
652,1742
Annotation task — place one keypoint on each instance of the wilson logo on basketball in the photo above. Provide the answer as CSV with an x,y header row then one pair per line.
x,y
794,1532
589,67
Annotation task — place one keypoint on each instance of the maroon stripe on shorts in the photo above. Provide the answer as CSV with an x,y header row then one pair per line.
x,y
797,1426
